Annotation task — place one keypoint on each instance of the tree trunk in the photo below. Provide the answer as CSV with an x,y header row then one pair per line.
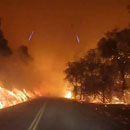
x,y
123,79
81,94
123,84
110,94
103,96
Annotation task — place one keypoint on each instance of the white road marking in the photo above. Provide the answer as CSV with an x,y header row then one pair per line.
x,y
37,119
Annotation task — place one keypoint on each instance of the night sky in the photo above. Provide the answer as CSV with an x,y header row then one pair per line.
x,y
55,24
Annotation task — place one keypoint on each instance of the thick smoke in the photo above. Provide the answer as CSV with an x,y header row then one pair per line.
x,y
16,68
5,51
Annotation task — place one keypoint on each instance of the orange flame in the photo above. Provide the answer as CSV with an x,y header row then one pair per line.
x,y
10,98
98,99
68,95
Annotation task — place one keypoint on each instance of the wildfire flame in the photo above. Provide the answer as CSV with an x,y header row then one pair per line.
x,y
68,95
10,98
98,99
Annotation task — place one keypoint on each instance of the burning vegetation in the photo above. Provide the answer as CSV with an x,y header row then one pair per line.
x,y
16,70
68,95
102,75
10,98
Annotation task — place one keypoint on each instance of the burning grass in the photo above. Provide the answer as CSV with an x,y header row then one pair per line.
x,y
10,98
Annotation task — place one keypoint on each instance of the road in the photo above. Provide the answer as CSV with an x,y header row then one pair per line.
x,y
54,114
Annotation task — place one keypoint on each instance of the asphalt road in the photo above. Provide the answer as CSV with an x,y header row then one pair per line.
x,y
54,114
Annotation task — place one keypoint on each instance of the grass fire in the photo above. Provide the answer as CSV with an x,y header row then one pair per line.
x,y
9,98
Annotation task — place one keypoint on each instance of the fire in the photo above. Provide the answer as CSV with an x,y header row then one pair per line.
x,y
68,95
10,98
98,99
116,100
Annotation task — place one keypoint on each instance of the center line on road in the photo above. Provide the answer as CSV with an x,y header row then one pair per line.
x,y
37,119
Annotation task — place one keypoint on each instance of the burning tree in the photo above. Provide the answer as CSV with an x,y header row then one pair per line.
x,y
116,48
102,71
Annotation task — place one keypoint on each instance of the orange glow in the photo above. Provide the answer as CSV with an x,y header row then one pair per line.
x,y
98,99
117,101
10,98
68,95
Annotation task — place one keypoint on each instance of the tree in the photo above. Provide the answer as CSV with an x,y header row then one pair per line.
x,y
115,46
88,75
5,50
97,73
74,74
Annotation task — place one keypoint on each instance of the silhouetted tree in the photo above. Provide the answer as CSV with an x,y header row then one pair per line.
x,y
98,71
88,75
74,74
115,46
5,50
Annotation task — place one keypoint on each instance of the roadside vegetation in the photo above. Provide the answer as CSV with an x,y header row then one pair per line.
x,y
102,74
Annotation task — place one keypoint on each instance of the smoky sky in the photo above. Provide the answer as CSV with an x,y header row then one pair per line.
x,y
5,51
56,24
15,66
24,54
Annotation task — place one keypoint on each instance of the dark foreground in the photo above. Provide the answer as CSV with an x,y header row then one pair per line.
x,y
62,114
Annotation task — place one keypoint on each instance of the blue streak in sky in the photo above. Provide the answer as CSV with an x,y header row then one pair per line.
x,y
30,37
77,37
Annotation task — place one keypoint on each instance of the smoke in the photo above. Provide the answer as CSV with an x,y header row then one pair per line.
x,y
24,54
16,67
5,51
54,42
